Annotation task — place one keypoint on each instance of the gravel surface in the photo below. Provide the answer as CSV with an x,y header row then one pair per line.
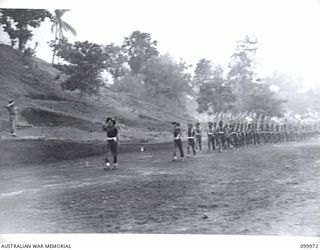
x,y
264,190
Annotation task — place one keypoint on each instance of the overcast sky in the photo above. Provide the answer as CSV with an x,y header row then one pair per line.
x,y
288,30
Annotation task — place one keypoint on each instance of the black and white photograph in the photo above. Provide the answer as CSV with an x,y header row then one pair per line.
x,y
161,117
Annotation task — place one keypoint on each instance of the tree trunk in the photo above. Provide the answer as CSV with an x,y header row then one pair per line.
x,y
13,43
22,40
53,56
21,45
55,41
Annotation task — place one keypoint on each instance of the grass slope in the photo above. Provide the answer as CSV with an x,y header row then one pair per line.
x,y
47,111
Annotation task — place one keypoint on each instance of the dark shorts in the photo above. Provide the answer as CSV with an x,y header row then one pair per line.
x,y
113,147
211,138
191,142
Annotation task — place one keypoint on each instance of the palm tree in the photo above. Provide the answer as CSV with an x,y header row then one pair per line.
x,y
59,26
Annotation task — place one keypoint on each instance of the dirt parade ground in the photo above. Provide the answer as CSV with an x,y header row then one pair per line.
x,y
264,190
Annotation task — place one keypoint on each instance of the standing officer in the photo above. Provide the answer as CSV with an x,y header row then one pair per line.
x,y
13,117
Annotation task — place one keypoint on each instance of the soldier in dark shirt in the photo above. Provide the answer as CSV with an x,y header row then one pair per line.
x,y
177,141
112,142
234,136
191,139
220,136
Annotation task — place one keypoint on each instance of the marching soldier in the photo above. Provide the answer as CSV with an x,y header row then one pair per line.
x,y
267,134
249,135
228,140
177,141
211,136
272,135
277,134
191,139
290,132
220,136
286,132
262,134
235,136
198,136
255,134
296,133
242,135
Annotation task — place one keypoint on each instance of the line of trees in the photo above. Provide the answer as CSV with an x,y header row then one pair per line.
x,y
136,66
237,88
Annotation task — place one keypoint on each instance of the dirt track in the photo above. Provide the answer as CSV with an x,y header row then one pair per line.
x,y
267,190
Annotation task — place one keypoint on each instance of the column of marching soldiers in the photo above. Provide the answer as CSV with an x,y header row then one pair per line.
x,y
229,133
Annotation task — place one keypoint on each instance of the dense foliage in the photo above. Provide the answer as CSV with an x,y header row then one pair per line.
x,y
18,23
85,63
136,66
239,89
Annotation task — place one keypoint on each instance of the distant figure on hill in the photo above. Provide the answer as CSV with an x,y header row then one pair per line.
x,y
13,117
112,142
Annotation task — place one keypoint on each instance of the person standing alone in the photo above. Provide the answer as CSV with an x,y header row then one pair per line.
x,y
13,117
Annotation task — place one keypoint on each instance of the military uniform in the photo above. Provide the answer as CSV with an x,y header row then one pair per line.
x,y
112,142
211,136
255,134
198,136
220,136
249,135
13,117
235,136
177,141
242,135
228,139
191,140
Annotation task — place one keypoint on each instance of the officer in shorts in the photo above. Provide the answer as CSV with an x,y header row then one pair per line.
x,y
13,117
112,142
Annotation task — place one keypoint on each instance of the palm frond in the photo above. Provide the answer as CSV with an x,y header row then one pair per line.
x,y
59,13
68,27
